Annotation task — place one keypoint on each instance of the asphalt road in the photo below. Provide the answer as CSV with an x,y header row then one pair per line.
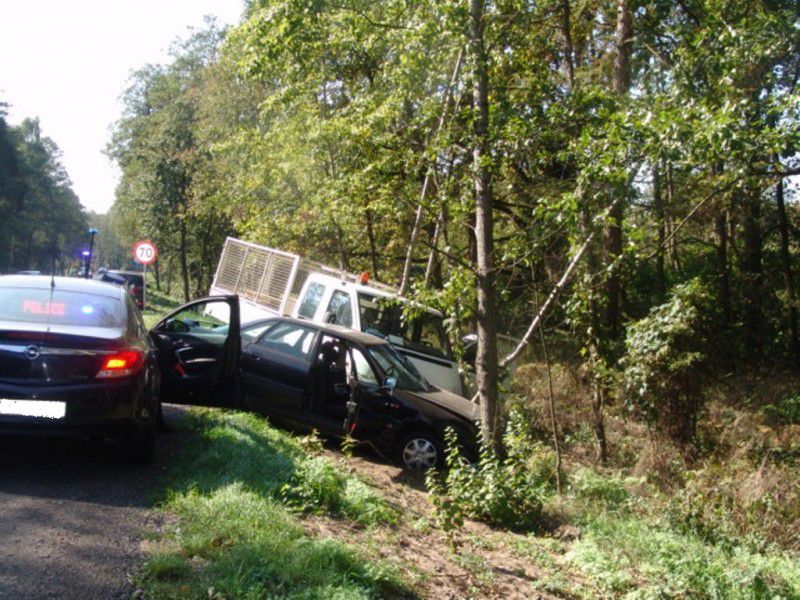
x,y
72,516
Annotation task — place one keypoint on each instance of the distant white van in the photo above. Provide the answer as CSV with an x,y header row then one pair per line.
x,y
272,282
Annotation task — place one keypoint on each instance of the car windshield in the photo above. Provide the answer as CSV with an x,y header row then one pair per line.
x,y
60,308
394,364
425,333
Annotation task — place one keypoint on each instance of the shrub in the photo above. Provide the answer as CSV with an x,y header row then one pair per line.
x,y
606,490
503,491
785,412
664,362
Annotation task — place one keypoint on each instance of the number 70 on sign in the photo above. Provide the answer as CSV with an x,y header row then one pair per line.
x,y
145,252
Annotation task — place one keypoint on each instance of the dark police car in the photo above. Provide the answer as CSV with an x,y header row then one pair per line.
x,y
76,359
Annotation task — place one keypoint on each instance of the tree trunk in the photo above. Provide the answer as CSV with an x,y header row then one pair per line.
x,y
486,371
432,259
593,343
183,251
622,59
344,263
672,244
788,277
551,402
598,407
566,31
621,84
723,269
373,252
660,210
752,272
157,273
169,275
405,281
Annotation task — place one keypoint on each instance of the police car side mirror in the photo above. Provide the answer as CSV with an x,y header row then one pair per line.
x,y
330,317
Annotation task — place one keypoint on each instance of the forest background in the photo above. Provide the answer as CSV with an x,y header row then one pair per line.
x,y
629,166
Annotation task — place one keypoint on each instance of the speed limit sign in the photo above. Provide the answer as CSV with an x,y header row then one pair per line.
x,y
145,252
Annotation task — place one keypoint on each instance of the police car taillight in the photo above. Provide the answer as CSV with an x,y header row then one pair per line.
x,y
121,364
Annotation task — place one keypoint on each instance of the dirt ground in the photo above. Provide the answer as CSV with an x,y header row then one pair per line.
x,y
484,566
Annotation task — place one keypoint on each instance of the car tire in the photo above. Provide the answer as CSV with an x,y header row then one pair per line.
x,y
139,449
419,450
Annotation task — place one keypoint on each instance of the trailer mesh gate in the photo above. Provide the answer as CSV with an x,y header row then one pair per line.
x,y
263,275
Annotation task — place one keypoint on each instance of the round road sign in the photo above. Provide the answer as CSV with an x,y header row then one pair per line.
x,y
145,252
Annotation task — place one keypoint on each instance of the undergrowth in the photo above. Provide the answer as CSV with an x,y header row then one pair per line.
x,y
642,556
631,539
501,490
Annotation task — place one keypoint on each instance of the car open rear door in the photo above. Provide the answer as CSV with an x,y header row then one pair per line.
x,y
199,346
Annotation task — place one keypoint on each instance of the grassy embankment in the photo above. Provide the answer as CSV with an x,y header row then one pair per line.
x,y
651,524
236,486
158,305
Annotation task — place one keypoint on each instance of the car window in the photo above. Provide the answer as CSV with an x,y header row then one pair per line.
x,y
311,300
134,328
59,307
364,370
289,338
396,365
384,318
202,318
332,352
340,306
253,330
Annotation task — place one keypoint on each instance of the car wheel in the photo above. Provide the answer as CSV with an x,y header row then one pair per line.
x,y
419,451
139,449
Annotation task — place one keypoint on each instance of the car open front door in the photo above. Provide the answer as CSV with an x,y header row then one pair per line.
x,y
364,417
199,346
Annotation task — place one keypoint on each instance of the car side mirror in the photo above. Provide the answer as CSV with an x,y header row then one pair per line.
x,y
330,317
389,383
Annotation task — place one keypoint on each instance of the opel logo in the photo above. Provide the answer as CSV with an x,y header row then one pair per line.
x,y
32,352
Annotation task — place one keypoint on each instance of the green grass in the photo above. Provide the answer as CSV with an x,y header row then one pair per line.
x,y
158,305
637,557
236,487
630,548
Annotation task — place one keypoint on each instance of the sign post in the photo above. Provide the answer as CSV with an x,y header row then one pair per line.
x,y
145,253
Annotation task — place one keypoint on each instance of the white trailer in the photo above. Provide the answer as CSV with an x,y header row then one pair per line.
x,y
272,282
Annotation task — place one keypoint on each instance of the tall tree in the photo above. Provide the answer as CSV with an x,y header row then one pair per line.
x,y
486,371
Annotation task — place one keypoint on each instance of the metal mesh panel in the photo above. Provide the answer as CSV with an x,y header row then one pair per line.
x,y
230,265
275,280
252,270
257,273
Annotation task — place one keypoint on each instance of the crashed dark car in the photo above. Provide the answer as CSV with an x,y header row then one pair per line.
x,y
343,382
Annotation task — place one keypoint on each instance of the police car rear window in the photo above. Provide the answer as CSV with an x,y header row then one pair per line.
x,y
60,308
